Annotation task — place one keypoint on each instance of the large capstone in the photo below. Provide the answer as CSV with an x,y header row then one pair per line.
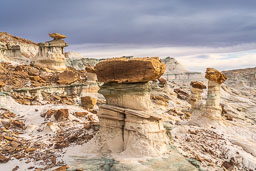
x,y
123,70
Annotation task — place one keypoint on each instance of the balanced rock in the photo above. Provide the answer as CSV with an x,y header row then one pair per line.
x,y
123,70
57,36
215,75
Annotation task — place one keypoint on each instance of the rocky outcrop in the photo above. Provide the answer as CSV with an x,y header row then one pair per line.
x,y
178,73
196,91
128,124
51,53
123,70
28,49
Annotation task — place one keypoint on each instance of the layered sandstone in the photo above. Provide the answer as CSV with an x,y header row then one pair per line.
x,y
51,53
123,70
128,124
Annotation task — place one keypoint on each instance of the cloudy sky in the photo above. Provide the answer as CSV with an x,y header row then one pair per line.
x,y
199,33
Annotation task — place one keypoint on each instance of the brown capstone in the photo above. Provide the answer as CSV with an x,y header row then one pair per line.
x,y
197,84
57,36
215,75
123,70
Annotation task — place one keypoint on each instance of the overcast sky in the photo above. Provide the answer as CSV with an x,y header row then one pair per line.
x,y
199,33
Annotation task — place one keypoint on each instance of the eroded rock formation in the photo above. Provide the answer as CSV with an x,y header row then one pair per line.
x,y
128,124
206,115
215,79
196,91
51,53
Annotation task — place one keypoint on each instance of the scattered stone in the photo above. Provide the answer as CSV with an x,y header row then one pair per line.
x,y
16,168
88,102
62,168
81,114
68,77
61,114
3,159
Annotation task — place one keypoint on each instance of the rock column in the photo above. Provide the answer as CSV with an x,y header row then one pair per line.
x,y
196,91
128,124
216,78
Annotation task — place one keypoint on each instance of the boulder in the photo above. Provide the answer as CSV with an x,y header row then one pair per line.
x,y
198,85
61,114
2,84
81,114
88,102
123,70
215,75
57,36
68,77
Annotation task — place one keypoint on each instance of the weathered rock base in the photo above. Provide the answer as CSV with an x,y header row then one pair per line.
x,y
195,98
171,162
129,132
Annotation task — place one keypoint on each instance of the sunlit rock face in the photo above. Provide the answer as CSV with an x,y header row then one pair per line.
x,y
128,124
51,53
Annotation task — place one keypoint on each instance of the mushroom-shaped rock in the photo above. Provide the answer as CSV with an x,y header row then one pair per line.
x,y
123,70
198,85
57,36
215,75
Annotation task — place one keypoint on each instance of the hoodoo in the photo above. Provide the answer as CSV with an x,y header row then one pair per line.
x,y
128,125
51,53
210,113
216,78
196,90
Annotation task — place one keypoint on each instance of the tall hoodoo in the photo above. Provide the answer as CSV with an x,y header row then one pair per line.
x,y
51,53
216,78
196,90
128,125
